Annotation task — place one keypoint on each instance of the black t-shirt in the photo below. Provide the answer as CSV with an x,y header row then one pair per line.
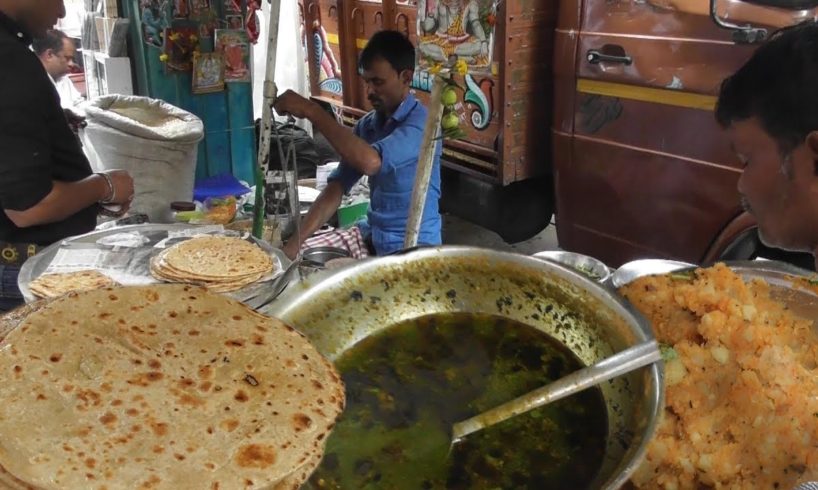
x,y
37,145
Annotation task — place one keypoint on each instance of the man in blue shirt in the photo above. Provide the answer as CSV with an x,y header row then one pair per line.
x,y
383,145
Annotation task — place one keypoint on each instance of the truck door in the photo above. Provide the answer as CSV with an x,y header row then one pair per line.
x,y
647,171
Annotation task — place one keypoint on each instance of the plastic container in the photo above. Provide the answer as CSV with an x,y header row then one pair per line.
x,y
322,173
349,215
182,211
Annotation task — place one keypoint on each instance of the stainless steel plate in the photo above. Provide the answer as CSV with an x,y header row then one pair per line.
x,y
37,265
645,267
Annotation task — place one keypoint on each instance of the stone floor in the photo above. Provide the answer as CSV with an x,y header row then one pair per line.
x,y
457,231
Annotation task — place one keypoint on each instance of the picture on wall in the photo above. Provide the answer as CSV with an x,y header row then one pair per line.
x,y
235,47
208,73
234,21
456,30
154,21
180,42
232,6
199,5
208,22
181,9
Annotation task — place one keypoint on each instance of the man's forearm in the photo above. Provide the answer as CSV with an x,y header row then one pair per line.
x,y
64,200
354,151
322,210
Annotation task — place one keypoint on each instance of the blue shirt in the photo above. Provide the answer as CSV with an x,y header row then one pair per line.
x,y
398,141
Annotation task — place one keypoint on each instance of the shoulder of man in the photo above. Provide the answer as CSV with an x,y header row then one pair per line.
x,y
417,113
27,68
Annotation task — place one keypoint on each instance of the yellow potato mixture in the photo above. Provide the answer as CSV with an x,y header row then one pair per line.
x,y
742,392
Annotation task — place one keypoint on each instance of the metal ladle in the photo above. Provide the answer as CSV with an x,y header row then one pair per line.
x,y
621,363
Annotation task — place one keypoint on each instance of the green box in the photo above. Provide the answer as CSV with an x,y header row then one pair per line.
x,y
349,215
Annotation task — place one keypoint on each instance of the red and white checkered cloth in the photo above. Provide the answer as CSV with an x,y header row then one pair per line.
x,y
349,239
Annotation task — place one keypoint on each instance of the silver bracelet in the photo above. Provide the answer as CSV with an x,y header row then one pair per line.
x,y
111,192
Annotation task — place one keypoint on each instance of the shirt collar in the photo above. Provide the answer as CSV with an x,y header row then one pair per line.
x,y
16,30
405,107
400,114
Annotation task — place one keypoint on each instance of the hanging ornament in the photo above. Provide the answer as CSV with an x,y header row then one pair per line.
x,y
251,20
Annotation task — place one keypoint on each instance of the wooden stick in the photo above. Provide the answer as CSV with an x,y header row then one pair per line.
x,y
426,158
269,97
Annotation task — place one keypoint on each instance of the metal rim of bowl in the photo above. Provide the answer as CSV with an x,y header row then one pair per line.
x,y
557,256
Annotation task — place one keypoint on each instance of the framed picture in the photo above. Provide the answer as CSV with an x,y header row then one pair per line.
x,y
199,5
154,22
208,22
235,47
181,9
180,42
456,29
232,6
208,73
234,21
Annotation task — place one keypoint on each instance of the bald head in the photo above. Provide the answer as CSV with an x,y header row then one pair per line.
x,y
35,16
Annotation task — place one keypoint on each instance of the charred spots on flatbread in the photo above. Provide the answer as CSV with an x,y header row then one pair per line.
x,y
301,422
229,425
159,428
108,419
256,456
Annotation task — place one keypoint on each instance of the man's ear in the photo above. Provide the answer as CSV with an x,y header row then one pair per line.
x,y
406,76
812,147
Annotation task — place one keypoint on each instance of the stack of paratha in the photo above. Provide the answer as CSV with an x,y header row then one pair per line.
x,y
54,285
219,263
166,386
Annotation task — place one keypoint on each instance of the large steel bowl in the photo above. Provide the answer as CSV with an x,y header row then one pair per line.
x,y
336,311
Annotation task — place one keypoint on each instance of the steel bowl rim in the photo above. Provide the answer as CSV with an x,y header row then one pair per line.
x,y
555,256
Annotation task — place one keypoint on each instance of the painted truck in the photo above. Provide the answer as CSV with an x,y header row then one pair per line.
x,y
598,109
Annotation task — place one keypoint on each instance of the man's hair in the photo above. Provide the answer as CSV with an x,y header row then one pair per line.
x,y
778,85
393,47
52,40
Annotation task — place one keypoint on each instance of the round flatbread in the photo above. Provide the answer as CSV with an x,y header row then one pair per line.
x,y
161,271
217,257
54,285
165,386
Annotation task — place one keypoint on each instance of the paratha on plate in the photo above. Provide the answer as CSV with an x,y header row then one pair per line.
x,y
54,285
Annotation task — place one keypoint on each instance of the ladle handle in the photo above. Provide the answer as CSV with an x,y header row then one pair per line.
x,y
624,362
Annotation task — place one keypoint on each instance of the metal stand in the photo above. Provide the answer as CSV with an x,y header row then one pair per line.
x,y
263,174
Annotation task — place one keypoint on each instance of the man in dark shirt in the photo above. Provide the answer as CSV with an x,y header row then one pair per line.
x,y
769,108
47,189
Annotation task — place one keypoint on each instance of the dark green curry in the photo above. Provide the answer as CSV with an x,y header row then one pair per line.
x,y
407,385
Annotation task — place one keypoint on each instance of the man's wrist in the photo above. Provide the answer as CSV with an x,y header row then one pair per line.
x,y
312,110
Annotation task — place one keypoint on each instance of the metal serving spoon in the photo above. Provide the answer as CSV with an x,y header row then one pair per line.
x,y
621,363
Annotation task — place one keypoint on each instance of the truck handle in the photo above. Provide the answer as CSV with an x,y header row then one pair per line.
x,y
595,56
741,34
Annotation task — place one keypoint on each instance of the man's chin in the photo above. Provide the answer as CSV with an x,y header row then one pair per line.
x,y
771,240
